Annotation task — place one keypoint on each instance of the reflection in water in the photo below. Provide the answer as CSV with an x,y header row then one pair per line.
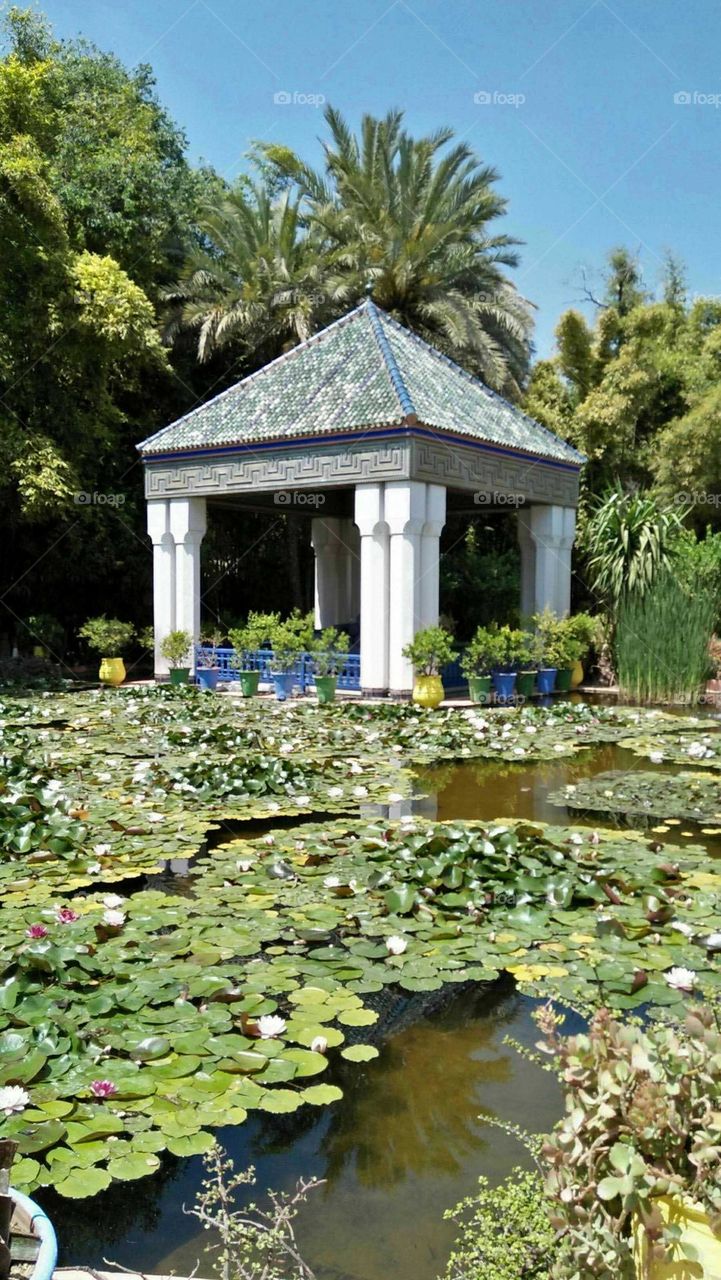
x,y
408,1139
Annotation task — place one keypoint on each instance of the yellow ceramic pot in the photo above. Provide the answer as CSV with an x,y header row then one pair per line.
x,y
112,671
577,677
428,691
695,1230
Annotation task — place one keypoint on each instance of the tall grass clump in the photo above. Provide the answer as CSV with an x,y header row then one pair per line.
x,y
662,638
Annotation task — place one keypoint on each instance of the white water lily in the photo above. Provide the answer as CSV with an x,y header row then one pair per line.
x,y
682,927
93,868
394,797
576,838
155,817
244,864
335,792
319,1044
395,945
13,1099
360,792
114,919
713,942
113,901
270,1026
681,979
656,757
101,849
331,882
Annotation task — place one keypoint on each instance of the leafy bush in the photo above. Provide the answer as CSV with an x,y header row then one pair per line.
x,y
430,650
629,539
559,642
483,652
108,636
289,639
505,1232
175,648
329,651
662,641
641,1121
514,647
254,634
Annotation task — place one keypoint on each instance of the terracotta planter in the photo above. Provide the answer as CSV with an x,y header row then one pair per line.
x,y
693,1224
428,691
112,671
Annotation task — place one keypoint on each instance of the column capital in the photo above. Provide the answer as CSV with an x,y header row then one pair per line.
x,y
405,506
369,509
158,517
188,517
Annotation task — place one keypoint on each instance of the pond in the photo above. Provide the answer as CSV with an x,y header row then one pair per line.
x,y
408,1139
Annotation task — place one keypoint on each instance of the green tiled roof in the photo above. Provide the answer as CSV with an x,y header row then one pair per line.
x,y
365,371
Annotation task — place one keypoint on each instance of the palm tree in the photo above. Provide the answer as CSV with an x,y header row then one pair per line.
x,y
407,219
256,282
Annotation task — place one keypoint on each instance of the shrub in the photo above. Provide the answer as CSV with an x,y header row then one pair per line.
x,y
108,636
175,648
505,1234
483,653
329,651
629,539
429,650
289,639
254,634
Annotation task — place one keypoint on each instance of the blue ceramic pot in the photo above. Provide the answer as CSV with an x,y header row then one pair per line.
x,y
208,677
283,682
504,683
546,680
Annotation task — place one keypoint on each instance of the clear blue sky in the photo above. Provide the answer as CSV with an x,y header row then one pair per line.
x,y
596,154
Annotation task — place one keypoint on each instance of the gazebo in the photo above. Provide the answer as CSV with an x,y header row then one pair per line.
x,y
375,435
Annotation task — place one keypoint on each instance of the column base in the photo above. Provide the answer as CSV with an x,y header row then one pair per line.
x,y
401,695
374,693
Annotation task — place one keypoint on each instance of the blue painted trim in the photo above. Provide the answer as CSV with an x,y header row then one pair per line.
x,y
348,436
47,1258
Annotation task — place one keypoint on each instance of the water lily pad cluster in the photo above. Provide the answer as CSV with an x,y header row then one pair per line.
x,y
695,797
700,750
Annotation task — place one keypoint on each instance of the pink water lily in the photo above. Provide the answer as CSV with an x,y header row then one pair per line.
x,y
103,1088
36,931
66,915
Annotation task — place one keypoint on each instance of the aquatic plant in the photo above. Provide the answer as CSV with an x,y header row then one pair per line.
x,y
662,640
505,1231
691,796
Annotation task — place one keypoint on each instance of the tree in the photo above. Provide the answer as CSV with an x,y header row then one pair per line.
x,y
408,220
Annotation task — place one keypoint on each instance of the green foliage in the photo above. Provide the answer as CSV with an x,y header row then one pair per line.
x,y
290,638
329,651
430,650
44,629
691,796
254,634
641,1121
175,648
505,1232
628,540
478,554
485,650
108,636
662,640
252,1243
560,642
697,562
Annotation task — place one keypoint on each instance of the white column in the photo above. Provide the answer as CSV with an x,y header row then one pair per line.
x,y
552,530
405,512
528,565
187,524
337,570
430,553
374,586
158,510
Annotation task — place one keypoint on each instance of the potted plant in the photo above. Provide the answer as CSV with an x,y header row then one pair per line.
x,y
175,648
289,640
246,641
108,636
429,651
47,631
329,652
512,645
567,649
544,649
526,677
586,630
206,666
480,656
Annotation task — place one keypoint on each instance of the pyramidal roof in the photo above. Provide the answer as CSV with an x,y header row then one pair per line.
x,y
364,372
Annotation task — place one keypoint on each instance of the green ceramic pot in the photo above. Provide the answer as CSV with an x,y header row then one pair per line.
x,y
179,675
249,683
526,684
563,679
325,687
479,688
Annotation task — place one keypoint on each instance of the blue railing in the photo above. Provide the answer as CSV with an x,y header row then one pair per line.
x,y
261,659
